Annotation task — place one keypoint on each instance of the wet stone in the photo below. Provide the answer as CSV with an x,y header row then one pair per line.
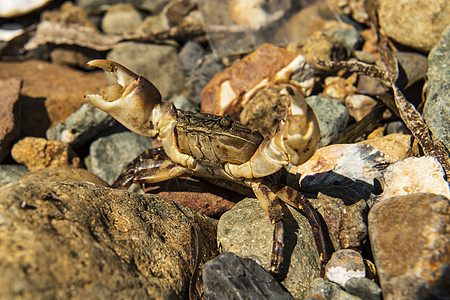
x,y
11,173
9,115
247,231
229,276
81,126
38,153
109,156
72,239
332,116
364,288
411,245
344,265
328,290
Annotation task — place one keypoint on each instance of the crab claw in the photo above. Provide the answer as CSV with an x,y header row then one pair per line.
x,y
130,101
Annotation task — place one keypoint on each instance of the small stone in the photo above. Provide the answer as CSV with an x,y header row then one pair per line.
x,y
395,145
11,173
157,63
332,116
397,127
247,231
121,18
411,245
436,111
69,57
63,174
109,156
328,290
359,106
230,277
414,23
339,88
81,126
353,165
364,288
344,265
38,153
413,66
9,115
414,175
349,38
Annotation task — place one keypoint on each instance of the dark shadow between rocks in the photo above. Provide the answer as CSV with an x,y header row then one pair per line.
x,y
34,117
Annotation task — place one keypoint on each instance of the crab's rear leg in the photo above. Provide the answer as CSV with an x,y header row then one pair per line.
x,y
153,165
298,200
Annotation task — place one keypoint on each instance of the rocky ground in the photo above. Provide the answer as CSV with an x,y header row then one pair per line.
x,y
377,181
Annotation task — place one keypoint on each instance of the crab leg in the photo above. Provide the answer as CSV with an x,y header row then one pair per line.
x,y
296,199
271,204
151,166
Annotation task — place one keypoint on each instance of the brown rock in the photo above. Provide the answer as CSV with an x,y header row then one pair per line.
x,y
411,246
223,93
395,145
339,88
78,240
63,174
359,106
50,93
38,153
9,114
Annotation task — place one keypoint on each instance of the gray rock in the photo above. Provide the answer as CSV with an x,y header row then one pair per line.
x,y
230,277
9,115
108,156
157,63
75,240
413,68
344,265
397,127
328,290
182,102
190,55
364,288
246,231
436,111
11,173
411,246
81,126
332,117
121,18
349,37
414,23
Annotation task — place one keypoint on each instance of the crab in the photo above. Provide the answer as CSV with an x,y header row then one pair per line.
x,y
215,148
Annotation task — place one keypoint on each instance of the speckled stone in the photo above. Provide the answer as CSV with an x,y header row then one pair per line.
x,y
323,289
344,265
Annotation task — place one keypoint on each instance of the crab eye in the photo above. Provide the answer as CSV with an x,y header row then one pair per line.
x,y
225,121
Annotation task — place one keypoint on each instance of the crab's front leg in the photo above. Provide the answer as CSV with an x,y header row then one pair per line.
x,y
152,166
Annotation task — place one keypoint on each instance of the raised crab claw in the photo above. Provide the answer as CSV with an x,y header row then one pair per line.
x,y
215,147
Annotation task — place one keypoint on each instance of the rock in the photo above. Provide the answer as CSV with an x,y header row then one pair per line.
x,y
69,57
157,63
414,175
11,173
108,156
81,126
355,8
182,102
13,9
359,106
72,239
9,115
332,116
50,93
345,214
436,110
344,265
96,5
63,174
364,288
415,23
394,145
229,90
413,68
121,18
246,231
190,55
397,127
38,153
328,290
411,246
339,87
349,38
353,165
230,277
